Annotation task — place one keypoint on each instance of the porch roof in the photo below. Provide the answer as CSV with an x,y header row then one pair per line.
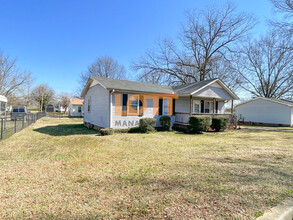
x,y
193,88
187,89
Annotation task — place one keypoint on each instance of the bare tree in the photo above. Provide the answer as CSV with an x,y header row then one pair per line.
x,y
207,40
12,79
104,67
64,101
286,8
43,95
266,66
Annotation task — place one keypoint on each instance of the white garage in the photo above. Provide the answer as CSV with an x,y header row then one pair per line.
x,y
266,111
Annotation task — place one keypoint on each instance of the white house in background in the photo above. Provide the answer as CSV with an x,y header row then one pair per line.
x,y
75,108
266,111
117,103
3,105
60,108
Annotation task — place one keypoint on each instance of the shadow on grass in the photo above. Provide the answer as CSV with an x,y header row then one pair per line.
x,y
66,130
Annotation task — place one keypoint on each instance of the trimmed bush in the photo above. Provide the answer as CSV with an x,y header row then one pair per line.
x,y
147,125
220,123
134,130
198,124
107,131
165,122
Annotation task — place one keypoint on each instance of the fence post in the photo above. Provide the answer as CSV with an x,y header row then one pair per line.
x,y
5,122
23,122
1,128
15,125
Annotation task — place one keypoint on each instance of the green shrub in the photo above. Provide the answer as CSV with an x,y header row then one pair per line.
x,y
147,125
107,131
220,123
122,130
134,130
165,122
198,124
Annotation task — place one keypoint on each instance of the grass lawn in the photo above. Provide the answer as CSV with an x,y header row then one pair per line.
x,y
57,168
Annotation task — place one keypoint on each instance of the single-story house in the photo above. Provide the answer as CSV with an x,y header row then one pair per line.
x,y
75,108
60,108
3,105
113,103
268,111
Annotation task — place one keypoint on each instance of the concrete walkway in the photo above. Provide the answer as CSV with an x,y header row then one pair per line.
x,y
283,211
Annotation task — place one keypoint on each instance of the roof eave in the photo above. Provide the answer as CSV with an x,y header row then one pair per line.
x,y
139,91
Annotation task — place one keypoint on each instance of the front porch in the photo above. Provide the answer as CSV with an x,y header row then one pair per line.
x,y
201,106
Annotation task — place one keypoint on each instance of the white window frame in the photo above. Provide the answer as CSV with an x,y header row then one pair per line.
x,y
199,106
165,101
211,110
130,104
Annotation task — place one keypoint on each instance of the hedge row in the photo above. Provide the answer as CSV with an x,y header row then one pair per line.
x,y
199,124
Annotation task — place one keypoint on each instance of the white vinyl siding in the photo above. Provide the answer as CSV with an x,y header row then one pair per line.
x,y
213,91
265,111
99,113
73,110
182,104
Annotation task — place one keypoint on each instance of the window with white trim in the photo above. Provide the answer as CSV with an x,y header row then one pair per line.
x,y
165,106
208,107
196,107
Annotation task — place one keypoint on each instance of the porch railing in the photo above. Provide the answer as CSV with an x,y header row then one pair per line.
x,y
183,118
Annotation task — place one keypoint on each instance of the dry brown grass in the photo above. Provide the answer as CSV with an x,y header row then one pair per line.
x,y
59,169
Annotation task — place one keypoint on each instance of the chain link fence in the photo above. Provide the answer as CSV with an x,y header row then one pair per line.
x,y
9,125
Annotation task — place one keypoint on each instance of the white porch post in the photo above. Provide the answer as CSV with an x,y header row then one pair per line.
x,y
190,109
214,105
232,107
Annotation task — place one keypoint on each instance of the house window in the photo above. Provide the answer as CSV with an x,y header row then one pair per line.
x,y
79,109
208,107
165,106
134,104
196,107
124,104
89,104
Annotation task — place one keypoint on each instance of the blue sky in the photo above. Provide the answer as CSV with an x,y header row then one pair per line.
x,y
57,39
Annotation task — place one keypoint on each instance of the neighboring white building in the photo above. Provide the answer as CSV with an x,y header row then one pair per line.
x,y
75,108
60,108
266,111
3,105
117,103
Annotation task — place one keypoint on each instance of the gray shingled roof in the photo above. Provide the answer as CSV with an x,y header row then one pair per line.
x,y
189,88
126,85
133,86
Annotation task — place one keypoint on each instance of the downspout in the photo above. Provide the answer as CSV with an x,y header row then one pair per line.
x,y
111,99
